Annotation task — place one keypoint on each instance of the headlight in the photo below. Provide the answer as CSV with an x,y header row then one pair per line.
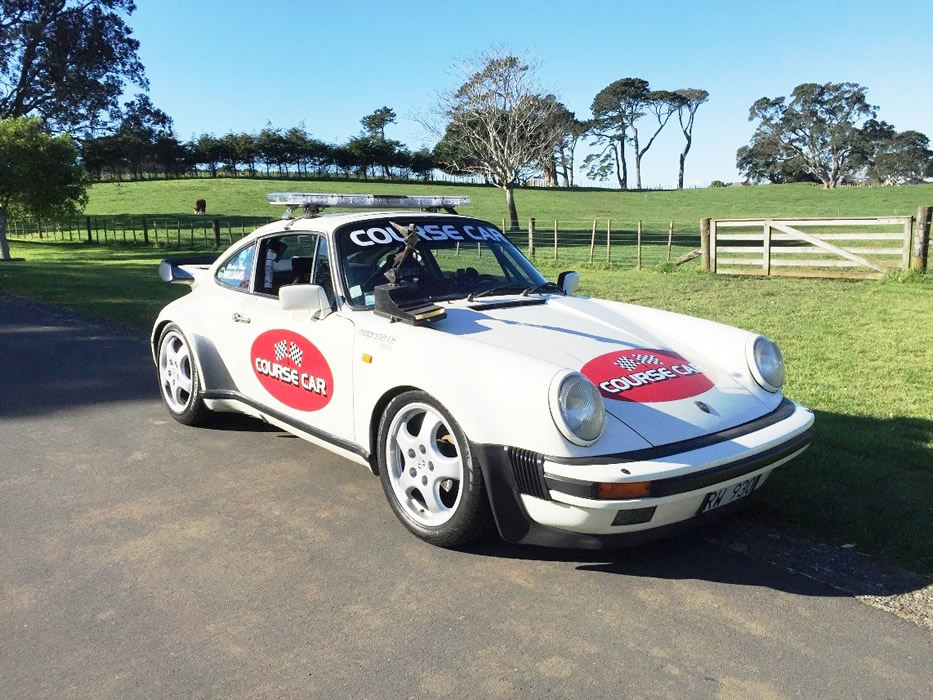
x,y
577,408
766,363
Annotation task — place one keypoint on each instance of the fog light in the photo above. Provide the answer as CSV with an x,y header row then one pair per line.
x,y
618,492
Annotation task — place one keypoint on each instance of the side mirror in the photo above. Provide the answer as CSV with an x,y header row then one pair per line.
x,y
305,297
569,281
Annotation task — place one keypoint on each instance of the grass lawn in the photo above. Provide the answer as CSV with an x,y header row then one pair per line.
x,y
859,353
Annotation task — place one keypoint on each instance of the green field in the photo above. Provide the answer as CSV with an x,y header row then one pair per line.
x,y
859,353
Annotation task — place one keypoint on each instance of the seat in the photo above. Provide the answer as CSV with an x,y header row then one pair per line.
x,y
301,268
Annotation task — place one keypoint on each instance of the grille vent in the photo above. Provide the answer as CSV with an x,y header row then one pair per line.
x,y
529,477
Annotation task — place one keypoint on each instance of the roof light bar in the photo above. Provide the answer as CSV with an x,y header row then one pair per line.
x,y
313,202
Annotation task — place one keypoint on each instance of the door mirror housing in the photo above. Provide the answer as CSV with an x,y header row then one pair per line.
x,y
569,281
305,297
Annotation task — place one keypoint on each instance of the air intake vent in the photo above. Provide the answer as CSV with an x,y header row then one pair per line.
x,y
529,476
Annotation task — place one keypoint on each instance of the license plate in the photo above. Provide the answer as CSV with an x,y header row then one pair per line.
x,y
729,494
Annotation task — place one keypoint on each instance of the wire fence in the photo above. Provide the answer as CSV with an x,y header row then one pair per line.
x,y
160,231
597,242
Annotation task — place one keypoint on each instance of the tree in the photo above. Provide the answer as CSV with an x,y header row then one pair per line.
x,y
615,108
500,124
691,99
39,174
375,124
819,128
762,160
662,104
66,60
903,157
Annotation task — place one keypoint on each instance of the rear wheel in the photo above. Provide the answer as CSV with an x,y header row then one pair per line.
x,y
179,379
428,473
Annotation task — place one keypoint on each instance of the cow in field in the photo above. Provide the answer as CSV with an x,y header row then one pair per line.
x,y
200,207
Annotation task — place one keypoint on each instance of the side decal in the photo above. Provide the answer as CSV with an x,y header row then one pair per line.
x,y
292,370
645,376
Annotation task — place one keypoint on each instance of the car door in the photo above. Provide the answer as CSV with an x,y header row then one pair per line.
x,y
291,364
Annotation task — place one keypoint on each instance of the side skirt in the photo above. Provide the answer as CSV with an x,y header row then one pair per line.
x,y
322,436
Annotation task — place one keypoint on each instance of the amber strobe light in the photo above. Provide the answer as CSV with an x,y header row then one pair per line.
x,y
618,492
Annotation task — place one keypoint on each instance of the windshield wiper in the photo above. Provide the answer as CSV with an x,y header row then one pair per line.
x,y
543,287
498,289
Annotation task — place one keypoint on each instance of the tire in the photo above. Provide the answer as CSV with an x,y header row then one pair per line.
x,y
179,380
428,474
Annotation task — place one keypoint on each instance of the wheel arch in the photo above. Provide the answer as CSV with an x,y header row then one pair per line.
x,y
378,409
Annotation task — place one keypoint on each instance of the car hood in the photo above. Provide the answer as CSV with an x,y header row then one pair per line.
x,y
652,377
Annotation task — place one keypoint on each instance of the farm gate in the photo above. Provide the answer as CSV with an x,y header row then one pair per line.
x,y
853,248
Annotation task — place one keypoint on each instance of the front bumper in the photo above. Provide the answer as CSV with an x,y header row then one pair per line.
x,y
552,501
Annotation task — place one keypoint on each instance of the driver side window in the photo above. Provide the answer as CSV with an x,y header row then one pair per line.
x,y
284,259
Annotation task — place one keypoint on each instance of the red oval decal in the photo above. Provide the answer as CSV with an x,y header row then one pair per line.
x,y
292,369
645,376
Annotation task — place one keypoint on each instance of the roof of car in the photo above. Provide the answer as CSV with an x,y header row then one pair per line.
x,y
327,223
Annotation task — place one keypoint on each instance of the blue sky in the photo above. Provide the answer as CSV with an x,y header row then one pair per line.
x,y
235,65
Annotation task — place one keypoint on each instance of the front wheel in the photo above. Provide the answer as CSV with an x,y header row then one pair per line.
x,y
428,474
179,379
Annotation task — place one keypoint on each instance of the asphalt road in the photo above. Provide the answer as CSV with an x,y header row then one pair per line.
x,y
141,558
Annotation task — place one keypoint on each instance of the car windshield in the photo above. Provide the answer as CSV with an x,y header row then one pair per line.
x,y
454,258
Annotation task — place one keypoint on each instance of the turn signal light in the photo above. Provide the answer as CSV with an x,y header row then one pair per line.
x,y
618,492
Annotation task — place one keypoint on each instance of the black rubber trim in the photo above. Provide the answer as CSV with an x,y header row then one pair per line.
x,y
783,411
516,526
695,480
478,306
279,416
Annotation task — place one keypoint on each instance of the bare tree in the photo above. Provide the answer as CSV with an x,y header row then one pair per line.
x,y
499,123
691,98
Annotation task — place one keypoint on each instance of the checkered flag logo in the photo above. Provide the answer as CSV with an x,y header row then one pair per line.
x,y
281,349
647,359
295,354
627,363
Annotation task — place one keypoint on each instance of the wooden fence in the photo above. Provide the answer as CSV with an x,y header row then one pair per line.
x,y
188,231
605,242
598,242
852,248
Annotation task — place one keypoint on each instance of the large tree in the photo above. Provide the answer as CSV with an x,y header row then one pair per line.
x,y
819,129
499,123
66,60
899,158
39,174
691,99
662,104
615,109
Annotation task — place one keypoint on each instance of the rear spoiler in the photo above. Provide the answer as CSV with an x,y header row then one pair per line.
x,y
184,270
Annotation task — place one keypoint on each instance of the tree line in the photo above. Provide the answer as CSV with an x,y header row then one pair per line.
x,y
144,145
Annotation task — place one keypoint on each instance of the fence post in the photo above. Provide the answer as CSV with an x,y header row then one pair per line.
x,y
704,244
217,232
608,238
766,249
145,232
638,248
593,241
555,240
87,220
531,238
670,240
921,239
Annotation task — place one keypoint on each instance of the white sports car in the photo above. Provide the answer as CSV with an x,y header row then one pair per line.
x,y
425,346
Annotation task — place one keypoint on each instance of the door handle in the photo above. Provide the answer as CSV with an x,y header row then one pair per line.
x,y
240,319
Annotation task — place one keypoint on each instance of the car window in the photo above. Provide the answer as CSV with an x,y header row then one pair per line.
x,y
235,272
285,259
454,258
